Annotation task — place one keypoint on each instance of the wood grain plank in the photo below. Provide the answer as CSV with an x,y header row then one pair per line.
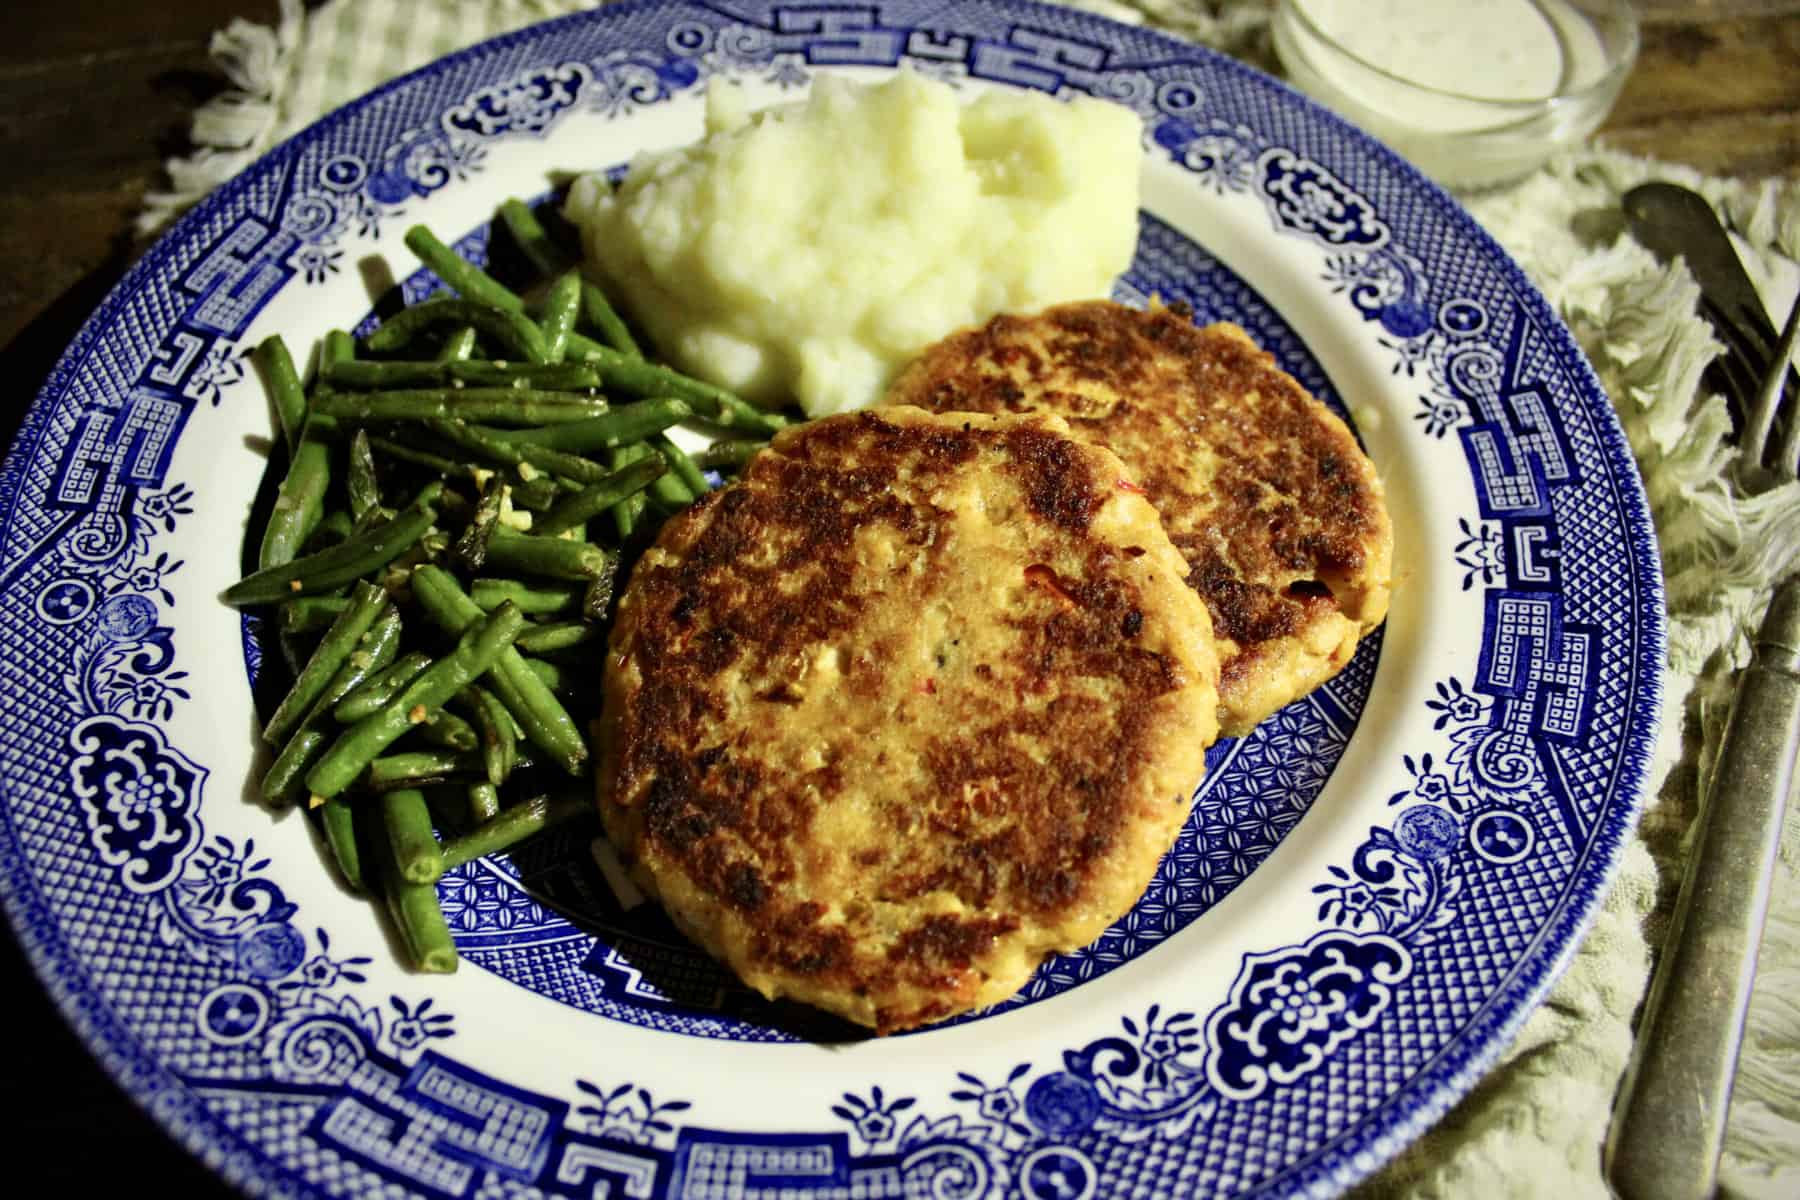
x,y
1688,68
100,121
1721,95
51,31
1651,11
1737,145
81,142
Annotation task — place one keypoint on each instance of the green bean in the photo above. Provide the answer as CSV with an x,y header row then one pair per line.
x,y
596,499
536,245
627,513
472,544
562,635
559,315
499,734
543,719
669,492
554,377
283,382
373,653
415,846
379,688
340,564
603,317
300,501
517,406
585,349
536,599
462,276
361,484
685,468
367,602
737,413
332,528
376,514
484,802
448,731
616,427
415,768
552,557
476,651
471,281
486,446
496,446
339,822
548,673
282,782
294,650
550,376
338,347
721,407
537,494
458,346
414,907
598,597
728,454
504,327
309,614
514,825
448,468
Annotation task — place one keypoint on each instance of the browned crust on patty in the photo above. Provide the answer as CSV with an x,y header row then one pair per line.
x,y
915,703
1278,512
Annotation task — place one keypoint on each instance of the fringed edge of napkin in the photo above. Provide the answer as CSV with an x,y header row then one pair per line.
x,y
234,128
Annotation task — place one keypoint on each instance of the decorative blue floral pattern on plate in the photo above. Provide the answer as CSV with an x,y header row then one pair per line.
x,y
213,967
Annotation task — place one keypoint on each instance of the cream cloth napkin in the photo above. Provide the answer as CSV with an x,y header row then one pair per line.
x,y
1534,1126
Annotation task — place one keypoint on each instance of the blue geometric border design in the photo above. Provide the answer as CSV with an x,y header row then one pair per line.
x,y
1432,943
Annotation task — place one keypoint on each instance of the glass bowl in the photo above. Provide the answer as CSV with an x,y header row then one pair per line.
x,y
1475,92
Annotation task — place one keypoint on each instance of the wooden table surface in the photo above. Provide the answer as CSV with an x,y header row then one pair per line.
x,y
94,94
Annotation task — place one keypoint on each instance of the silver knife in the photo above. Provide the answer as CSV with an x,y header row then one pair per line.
x,y
1672,221
1669,1125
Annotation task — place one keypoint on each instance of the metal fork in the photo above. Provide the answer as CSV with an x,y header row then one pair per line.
x,y
1669,1125
1749,369
1776,407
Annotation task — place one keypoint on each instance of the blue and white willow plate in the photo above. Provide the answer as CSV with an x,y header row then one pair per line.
x,y
1376,886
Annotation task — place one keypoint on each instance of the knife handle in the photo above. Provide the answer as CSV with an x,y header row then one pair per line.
x,y
1670,1122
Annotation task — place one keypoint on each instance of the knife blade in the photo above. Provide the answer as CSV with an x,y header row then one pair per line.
x,y
1673,222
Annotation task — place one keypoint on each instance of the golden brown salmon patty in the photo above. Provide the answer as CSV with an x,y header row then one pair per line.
x,y
915,703
1278,512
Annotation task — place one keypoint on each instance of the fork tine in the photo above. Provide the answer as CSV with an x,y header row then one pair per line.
x,y
1759,429
1753,324
1750,350
1729,375
1788,457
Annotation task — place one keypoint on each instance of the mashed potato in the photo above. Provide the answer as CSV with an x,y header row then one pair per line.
x,y
808,252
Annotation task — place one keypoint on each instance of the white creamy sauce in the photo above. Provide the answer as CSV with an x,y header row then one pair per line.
x,y
808,252
1504,51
